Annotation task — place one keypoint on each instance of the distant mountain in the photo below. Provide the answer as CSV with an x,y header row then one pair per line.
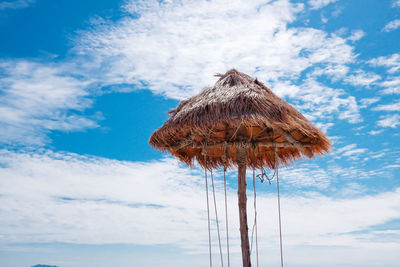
x,y
44,265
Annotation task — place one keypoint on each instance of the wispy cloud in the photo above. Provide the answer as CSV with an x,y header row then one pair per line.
x,y
391,62
62,186
158,49
350,151
362,78
366,102
392,25
391,85
319,101
356,35
306,176
334,72
164,58
16,4
173,49
317,4
59,197
37,98
391,121
375,132
388,107
168,38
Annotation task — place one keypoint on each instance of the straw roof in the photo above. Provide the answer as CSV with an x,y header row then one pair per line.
x,y
238,111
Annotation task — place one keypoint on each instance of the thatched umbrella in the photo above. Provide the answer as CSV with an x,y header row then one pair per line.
x,y
238,122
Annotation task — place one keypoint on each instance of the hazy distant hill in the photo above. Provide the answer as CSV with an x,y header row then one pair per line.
x,y
44,265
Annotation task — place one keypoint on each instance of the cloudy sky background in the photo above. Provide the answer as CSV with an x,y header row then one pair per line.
x,y
83,85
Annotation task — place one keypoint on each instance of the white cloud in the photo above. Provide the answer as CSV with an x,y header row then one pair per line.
x,y
354,171
392,121
306,175
350,151
391,62
37,98
335,72
392,166
338,10
62,197
391,26
16,4
373,132
396,3
324,126
324,19
388,107
365,102
392,85
317,4
176,48
352,189
356,35
378,154
362,78
319,102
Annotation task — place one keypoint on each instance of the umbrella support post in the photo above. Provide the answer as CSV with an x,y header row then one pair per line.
x,y
241,155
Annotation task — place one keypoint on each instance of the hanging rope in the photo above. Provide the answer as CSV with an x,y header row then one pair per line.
x,y
279,203
216,218
208,211
226,218
255,214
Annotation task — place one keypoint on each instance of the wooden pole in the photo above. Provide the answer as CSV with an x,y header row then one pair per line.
x,y
241,154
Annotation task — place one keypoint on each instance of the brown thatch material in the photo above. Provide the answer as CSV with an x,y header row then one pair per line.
x,y
238,111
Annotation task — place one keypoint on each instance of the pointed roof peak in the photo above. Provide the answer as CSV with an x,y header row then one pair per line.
x,y
234,77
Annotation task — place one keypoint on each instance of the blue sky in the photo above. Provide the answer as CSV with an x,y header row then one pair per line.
x,y
83,84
